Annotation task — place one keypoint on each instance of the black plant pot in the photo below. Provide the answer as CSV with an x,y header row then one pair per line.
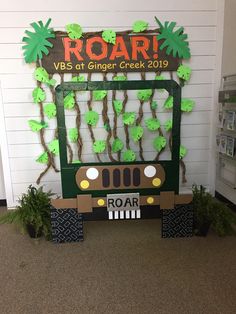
x,y
32,232
201,230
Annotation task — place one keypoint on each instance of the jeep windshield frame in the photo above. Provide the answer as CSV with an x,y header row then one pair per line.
x,y
69,169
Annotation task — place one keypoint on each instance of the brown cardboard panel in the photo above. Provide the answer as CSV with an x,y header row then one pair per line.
x,y
84,203
167,200
64,203
131,176
183,198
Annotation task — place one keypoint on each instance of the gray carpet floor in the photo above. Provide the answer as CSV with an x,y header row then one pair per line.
x,y
121,267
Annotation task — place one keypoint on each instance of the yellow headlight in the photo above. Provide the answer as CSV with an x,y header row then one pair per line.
x,y
156,182
84,184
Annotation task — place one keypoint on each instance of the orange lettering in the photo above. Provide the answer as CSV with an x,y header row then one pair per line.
x,y
140,44
119,49
90,45
72,50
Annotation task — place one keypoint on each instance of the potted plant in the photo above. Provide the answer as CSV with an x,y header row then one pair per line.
x,y
209,212
202,206
33,213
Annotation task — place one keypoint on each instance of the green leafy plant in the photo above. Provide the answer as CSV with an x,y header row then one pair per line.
x,y
73,135
37,126
187,105
139,26
74,31
129,155
209,212
117,145
50,110
159,143
99,146
136,133
144,94
37,42
109,36
38,95
152,124
128,118
41,75
69,101
174,41
32,213
91,117
99,94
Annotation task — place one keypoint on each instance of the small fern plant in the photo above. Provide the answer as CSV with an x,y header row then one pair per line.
x,y
33,211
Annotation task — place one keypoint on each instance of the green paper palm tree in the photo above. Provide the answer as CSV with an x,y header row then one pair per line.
x,y
37,42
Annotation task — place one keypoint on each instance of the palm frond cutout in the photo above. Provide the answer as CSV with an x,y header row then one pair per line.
x,y
37,42
174,41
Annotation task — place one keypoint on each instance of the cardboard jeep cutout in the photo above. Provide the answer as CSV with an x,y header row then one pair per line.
x,y
112,158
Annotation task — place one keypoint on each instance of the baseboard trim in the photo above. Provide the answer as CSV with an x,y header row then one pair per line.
x,y
3,203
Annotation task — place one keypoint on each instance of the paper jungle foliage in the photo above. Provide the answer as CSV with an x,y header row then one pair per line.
x,y
115,114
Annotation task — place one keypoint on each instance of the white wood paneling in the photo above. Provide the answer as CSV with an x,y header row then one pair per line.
x,y
200,19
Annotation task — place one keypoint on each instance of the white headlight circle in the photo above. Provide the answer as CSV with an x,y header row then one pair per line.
x,y
92,173
150,171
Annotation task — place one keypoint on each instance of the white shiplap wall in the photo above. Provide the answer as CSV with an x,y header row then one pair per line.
x,y
201,22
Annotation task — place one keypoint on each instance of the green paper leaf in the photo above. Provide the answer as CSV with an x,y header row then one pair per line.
x,y
187,105
152,124
117,145
107,127
41,75
118,105
38,95
159,143
37,126
182,151
159,78
184,72
50,110
168,125
120,78
91,117
43,158
136,133
99,94
109,36
76,161
73,135
139,26
53,146
79,78
154,105
175,42
169,103
37,42
144,94
129,155
69,101
74,31
128,118
99,146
